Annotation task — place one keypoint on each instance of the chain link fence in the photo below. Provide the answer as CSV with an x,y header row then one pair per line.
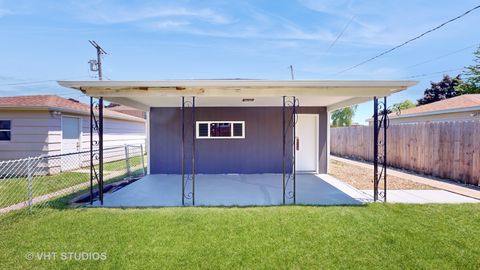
x,y
38,181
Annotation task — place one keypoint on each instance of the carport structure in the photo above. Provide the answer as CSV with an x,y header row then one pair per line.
x,y
272,134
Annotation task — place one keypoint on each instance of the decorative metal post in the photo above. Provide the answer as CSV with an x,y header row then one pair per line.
x,y
283,150
375,149
295,148
289,142
96,125
183,150
188,178
380,123
91,149
385,126
100,149
193,150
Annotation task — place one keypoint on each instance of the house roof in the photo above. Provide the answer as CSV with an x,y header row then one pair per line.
x,y
459,102
463,103
145,94
128,110
53,102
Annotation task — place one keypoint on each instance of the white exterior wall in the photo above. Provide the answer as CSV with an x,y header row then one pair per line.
x,y
115,132
36,133
452,116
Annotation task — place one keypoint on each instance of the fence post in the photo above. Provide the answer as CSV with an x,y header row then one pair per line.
x,y
29,183
127,160
143,161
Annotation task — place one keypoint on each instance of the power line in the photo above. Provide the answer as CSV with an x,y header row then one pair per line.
x,y
408,41
441,56
433,73
340,34
40,82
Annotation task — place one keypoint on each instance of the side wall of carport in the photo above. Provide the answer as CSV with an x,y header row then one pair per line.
x,y
259,152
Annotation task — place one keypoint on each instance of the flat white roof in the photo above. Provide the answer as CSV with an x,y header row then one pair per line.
x,y
330,94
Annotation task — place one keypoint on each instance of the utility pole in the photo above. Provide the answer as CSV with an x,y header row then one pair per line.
x,y
97,65
291,72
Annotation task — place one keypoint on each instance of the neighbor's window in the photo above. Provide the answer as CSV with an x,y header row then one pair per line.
x,y
5,130
220,129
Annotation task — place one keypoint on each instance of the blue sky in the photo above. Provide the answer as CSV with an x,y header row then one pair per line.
x,y
153,40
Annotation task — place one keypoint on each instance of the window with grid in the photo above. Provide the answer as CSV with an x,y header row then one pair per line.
x,y
5,130
220,129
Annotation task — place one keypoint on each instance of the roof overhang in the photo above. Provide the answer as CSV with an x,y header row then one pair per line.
x,y
118,116
145,94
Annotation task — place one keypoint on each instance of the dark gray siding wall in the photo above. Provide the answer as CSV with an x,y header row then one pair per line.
x,y
259,152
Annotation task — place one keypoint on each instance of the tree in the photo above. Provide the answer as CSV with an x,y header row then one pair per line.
x,y
406,104
343,117
444,89
472,75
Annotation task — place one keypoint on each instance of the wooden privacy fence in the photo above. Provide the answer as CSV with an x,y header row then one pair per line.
x,y
443,149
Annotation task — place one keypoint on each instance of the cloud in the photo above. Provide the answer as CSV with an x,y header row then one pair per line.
x,y
169,25
105,12
364,73
335,7
5,12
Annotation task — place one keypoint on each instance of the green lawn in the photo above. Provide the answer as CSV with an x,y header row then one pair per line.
x,y
375,236
15,190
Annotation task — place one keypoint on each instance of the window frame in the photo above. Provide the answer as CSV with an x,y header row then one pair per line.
x,y
197,129
7,130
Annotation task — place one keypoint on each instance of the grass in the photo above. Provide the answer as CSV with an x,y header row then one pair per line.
x,y
15,190
376,236
115,165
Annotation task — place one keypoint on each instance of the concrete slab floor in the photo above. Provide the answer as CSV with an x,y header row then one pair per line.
x,y
234,190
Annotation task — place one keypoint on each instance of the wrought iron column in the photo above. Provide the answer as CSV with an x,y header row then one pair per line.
x,y
385,126
375,149
193,150
100,149
289,140
295,147
188,177
283,150
183,150
96,125
380,125
91,150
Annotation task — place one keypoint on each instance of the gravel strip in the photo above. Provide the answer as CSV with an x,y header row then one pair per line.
x,y
362,178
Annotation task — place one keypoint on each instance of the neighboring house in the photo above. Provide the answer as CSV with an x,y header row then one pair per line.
x,y
31,126
460,108
237,125
127,110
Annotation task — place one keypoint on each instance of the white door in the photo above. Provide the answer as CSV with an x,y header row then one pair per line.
x,y
306,143
71,131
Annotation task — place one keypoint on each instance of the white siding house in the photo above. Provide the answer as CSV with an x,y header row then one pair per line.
x,y
47,125
460,108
